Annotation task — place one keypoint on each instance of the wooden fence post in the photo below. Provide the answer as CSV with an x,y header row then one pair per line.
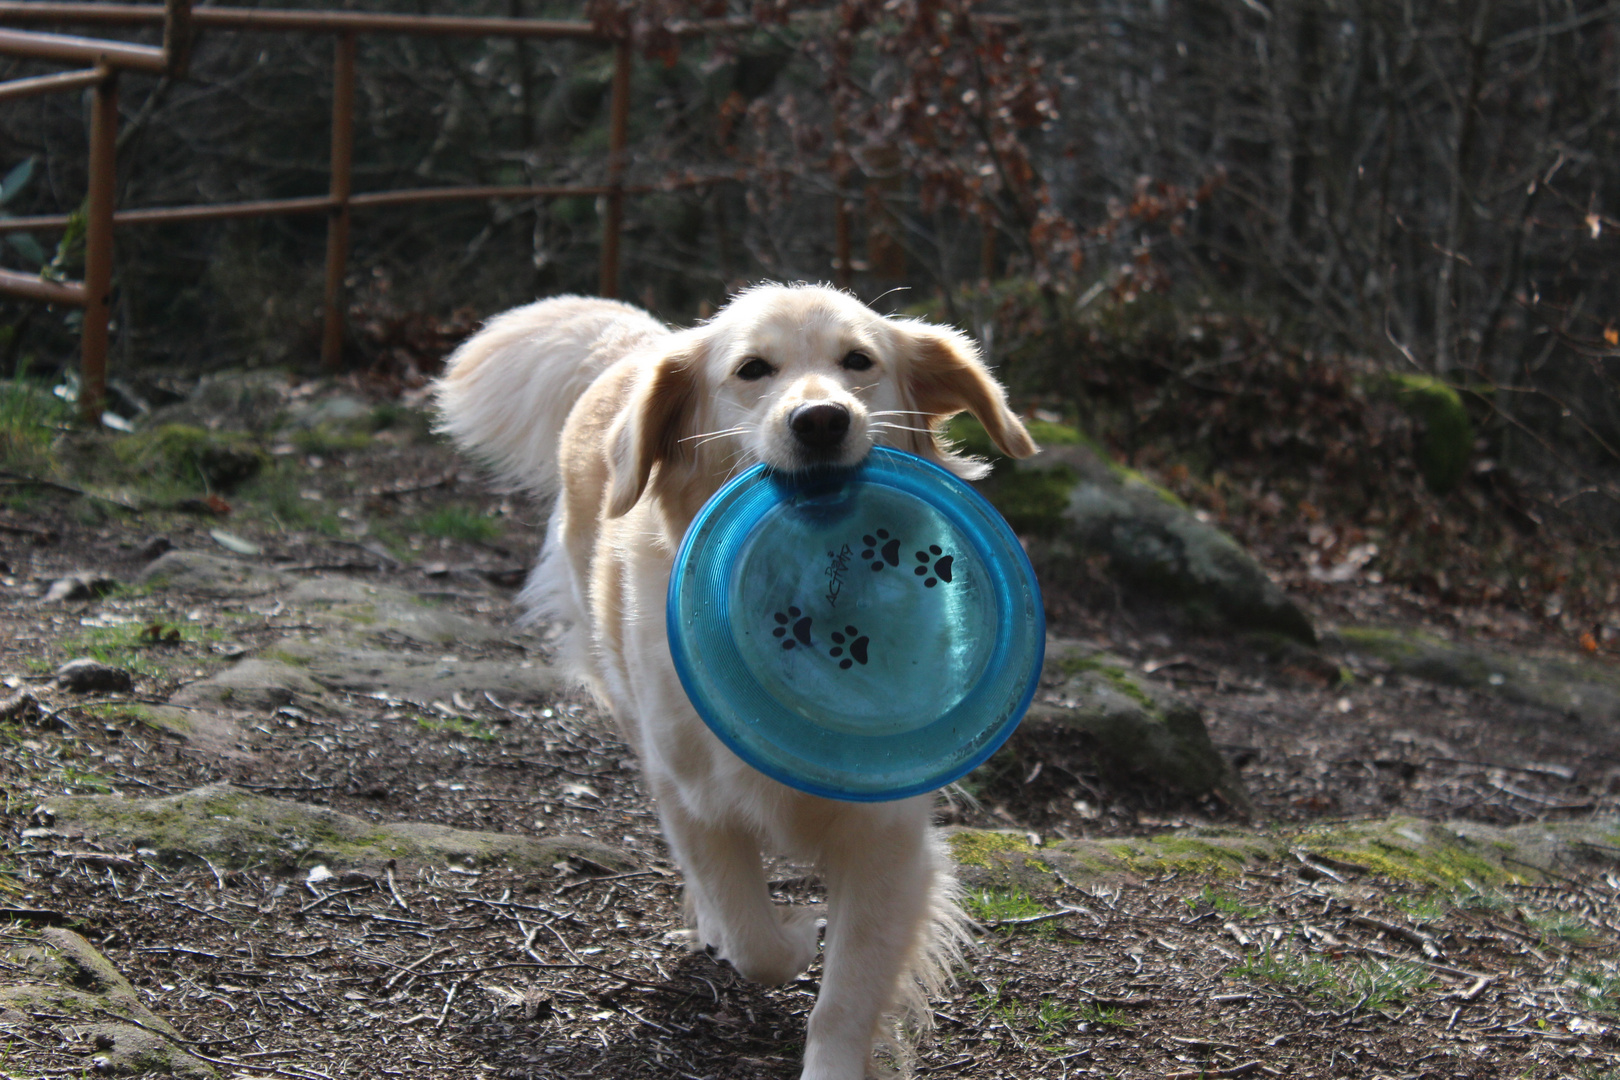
x,y
98,245
618,140
337,228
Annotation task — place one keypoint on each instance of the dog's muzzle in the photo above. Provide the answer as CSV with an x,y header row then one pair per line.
x,y
819,428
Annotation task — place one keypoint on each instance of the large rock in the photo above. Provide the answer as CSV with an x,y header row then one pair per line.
x,y
1143,729
1453,856
252,686
58,974
233,827
1070,499
380,611
1586,691
341,664
210,575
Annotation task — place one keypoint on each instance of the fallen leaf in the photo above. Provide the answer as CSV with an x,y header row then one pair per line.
x,y
232,542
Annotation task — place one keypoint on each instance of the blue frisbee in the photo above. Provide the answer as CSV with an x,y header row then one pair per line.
x,y
862,634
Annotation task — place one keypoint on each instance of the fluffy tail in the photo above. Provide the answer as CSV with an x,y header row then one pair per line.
x,y
944,935
507,391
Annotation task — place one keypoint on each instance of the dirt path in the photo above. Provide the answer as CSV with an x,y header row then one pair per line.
x,y
362,665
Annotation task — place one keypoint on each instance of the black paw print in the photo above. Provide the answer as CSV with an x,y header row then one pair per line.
x,y
857,647
889,550
800,628
942,566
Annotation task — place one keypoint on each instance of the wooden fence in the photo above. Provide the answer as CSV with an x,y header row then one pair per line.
x,y
106,59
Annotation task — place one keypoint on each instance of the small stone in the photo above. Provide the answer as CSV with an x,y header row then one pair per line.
x,y
81,585
88,676
20,708
154,547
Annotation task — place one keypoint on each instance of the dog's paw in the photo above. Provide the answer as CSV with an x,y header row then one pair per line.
x,y
782,952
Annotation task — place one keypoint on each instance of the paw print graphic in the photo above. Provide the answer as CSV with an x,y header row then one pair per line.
x,y
941,568
795,621
856,643
881,549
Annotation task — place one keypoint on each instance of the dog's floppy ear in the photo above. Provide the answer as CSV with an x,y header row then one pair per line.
x,y
651,428
944,376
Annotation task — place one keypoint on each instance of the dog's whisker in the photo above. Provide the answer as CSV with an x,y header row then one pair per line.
x,y
884,425
707,435
899,412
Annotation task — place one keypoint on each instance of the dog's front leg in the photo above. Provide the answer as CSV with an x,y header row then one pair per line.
x,y
880,873
731,901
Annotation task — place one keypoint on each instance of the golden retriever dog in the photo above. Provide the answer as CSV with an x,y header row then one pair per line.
x,y
632,426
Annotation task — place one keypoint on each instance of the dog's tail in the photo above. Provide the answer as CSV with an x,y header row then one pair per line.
x,y
506,392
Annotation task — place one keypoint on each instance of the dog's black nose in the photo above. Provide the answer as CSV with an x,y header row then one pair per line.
x,y
821,426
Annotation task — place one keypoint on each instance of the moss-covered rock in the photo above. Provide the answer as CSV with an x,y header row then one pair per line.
x,y
1141,728
1071,499
210,575
1445,435
338,662
233,827
192,456
252,686
230,401
1587,691
1463,857
56,975
380,611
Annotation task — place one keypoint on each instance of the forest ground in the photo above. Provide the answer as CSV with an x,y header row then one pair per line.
x,y
1287,969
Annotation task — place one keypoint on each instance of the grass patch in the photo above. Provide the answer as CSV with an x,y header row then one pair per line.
x,y
1599,990
131,646
998,905
1226,905
1046,1020
1102,1016
1427,908
276,495
1346,984
30,417
460,523
472,729
1562,928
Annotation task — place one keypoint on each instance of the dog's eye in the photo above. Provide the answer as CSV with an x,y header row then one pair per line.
x,y
755,368
857,361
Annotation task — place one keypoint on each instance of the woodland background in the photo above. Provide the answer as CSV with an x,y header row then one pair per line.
x,y
1341,274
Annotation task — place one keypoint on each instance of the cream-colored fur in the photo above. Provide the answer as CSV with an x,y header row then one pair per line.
x,y
633,426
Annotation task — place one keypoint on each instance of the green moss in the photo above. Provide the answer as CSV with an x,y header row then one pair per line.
x,y
1131,478
968,435
191,456
1448,864
1117,677
978,847
1446,437
330,439
1033,500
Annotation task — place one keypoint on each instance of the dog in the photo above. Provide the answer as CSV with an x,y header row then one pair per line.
x,y
631,426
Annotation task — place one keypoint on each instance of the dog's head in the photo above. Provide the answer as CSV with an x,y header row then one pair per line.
x,y
800,377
